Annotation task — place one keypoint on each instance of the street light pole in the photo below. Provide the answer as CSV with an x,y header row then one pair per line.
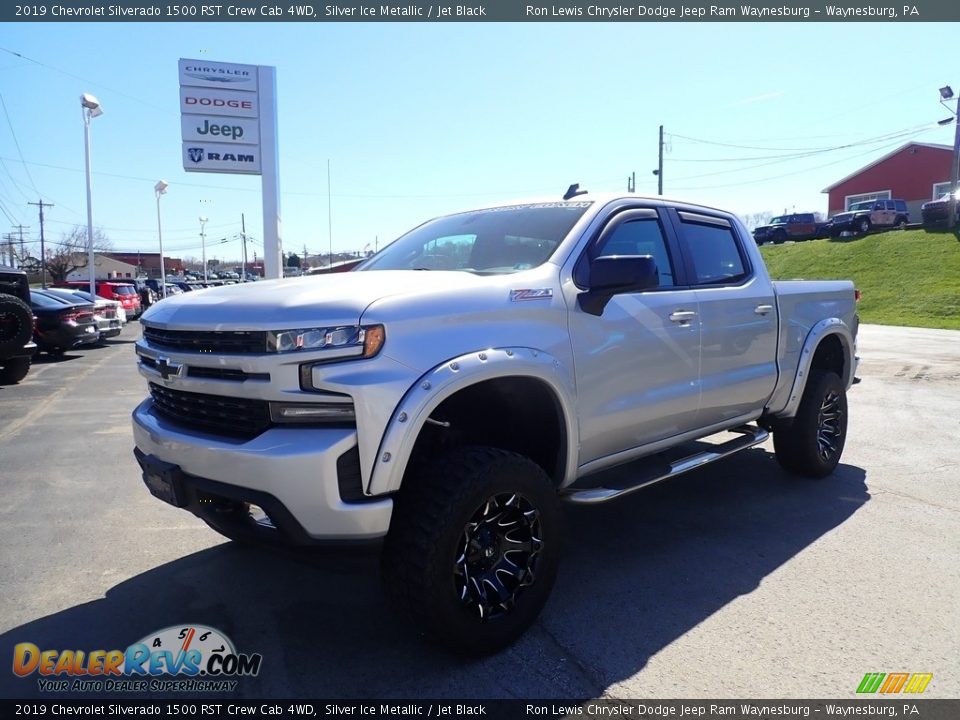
x,y
946,93
160,188
954,165
203,246
90,108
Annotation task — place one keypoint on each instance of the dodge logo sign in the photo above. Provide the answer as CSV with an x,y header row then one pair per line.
x,y
196,154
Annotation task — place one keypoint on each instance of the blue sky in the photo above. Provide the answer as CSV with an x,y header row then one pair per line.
x,y
421,119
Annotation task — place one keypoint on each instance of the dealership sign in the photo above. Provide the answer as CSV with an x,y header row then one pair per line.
x,y
228,124
220,108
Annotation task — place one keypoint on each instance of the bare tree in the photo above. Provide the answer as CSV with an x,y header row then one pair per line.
x,y
70,254
756,219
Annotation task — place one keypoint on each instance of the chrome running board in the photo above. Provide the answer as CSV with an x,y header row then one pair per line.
x,y
751,435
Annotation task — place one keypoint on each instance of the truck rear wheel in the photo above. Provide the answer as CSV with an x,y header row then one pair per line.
x,y
812,444
16,324
14,370
473,548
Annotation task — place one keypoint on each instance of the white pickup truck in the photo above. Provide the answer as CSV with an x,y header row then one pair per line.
x,y
445,396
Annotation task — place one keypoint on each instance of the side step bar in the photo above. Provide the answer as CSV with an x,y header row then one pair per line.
x,y
751,436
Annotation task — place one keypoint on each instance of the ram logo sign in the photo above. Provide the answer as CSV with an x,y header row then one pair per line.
x,y
221,157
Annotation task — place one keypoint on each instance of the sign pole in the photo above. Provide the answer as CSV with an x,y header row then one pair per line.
x,y
270,174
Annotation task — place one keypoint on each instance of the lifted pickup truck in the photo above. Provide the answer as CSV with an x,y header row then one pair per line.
x,y
16,326
446,395
798,226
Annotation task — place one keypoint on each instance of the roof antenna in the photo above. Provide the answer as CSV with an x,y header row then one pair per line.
x,y
573,191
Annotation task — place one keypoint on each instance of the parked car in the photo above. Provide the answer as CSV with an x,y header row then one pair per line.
x,y
147,296
122,291
862,217
447,413
16,326
934,213
61,326
105,311
797,226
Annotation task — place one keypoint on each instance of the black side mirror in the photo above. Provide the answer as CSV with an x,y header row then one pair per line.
x,y
617,274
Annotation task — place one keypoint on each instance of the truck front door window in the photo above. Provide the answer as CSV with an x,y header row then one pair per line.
x,y
640,237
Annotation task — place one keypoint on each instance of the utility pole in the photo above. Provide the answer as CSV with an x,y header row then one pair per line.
x,y
330,212
20,229
9,237
243,234
659,172
43,252
632,183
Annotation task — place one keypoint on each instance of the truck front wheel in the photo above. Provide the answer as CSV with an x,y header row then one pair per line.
x,y
812,444
473,548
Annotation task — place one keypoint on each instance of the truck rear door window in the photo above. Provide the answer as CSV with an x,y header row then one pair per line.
x,y
714,252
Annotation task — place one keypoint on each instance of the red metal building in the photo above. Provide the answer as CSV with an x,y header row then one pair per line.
x,y
916,172
148,263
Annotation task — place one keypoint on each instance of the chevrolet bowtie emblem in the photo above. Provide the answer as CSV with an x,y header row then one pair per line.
x,y
168,369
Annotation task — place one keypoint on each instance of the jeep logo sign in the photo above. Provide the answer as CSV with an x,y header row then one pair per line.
x,y
212,128
221,157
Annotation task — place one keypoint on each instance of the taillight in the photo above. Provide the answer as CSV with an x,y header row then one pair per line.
x,y
856,295
70,317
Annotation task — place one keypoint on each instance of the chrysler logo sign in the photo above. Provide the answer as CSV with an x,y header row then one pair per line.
x,y
217,74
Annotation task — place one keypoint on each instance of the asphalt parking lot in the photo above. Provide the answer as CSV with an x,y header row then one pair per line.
x,y
733,581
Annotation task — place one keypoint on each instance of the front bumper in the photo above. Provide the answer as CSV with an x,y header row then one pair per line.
x,y
291,473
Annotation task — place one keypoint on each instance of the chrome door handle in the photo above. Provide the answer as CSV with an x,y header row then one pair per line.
x,y
682,316
763,309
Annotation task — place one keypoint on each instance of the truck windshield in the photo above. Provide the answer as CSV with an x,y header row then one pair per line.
x,y
493,241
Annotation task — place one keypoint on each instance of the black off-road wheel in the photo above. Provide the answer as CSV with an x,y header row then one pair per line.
x,y
16,325
863,226
812,444
473,548
14,370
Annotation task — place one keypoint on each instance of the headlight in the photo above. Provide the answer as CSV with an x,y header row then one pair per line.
x,y
357,341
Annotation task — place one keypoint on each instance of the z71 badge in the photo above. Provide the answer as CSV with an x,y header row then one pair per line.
x,y
531,294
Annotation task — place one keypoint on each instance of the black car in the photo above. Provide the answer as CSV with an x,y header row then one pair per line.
x,y
105,312
60,325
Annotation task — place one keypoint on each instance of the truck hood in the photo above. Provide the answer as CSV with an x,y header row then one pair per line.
x,y
335,299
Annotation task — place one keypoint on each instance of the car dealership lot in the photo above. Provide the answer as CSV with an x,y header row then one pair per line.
x,y
731,581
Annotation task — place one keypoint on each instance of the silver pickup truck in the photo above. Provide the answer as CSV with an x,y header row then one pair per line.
x,y
443,398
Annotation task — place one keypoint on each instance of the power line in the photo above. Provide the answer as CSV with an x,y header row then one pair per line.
x,y
797,172
777,161
17,143
878,138
86,80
